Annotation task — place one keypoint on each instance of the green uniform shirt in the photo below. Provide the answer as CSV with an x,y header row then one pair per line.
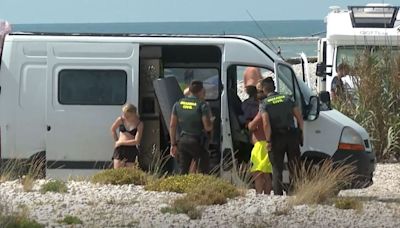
x,y
280,110
190,111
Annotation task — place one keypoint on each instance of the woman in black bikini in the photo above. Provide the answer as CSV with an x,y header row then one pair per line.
x,y
130,133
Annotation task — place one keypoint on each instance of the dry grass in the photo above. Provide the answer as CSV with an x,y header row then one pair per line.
x,y
376,101
9,219
156,168
121,176
314,185
34,172
26,170
11,169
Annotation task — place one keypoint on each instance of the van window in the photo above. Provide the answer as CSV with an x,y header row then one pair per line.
x,y
288,84
209,77
92,87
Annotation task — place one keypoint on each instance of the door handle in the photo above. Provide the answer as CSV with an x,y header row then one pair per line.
x,y
48,127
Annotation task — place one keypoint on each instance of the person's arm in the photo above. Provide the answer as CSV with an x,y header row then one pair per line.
x,y
136,140
252,125
172,131
205,118
114,127
299,117
266,126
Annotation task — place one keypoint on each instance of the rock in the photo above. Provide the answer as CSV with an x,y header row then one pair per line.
x,y
253,210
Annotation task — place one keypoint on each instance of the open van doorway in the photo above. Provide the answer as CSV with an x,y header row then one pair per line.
x,y
177,66
243,107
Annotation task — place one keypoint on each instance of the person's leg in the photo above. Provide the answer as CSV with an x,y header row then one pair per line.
x,y
185,155
267,183
118,164
276,156
193,166
258,182
204,161
131,155
293,154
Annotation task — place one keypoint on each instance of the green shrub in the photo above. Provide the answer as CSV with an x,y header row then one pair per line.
x,y
121,176
348,203
71,220
18,221
183,206
202,190
54,186
188,183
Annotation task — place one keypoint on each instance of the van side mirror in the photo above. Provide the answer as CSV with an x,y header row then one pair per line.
x,y
322,70
325,99
313,108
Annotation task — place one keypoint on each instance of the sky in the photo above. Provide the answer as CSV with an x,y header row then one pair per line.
x,y
103,11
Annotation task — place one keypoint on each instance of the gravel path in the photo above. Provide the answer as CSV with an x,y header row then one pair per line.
x,y
131,206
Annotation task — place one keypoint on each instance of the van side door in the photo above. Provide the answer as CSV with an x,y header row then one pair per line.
x,y
87,84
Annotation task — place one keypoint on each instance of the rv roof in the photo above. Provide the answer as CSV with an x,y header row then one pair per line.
x,y
373,16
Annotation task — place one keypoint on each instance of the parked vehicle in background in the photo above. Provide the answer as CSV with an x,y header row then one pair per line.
x,y
371,28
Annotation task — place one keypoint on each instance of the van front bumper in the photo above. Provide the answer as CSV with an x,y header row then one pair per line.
x,y
364,163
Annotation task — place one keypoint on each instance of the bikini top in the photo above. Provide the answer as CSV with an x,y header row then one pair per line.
x,y
122,128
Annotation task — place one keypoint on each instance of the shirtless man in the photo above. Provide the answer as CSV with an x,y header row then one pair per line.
x,y
251,76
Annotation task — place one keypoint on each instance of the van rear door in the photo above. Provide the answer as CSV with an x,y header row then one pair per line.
x,y
87,84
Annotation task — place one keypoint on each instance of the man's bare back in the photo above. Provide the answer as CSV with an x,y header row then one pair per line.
x,y
252,75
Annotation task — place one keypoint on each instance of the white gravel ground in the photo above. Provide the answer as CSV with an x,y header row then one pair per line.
x,y
131,206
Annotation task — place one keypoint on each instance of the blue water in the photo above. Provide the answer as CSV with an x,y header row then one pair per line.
x,y
277,32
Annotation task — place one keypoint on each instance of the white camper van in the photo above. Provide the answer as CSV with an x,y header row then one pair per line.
x,y
61,92
371,27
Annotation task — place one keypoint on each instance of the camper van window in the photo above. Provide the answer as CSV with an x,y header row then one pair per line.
x,y
209,76
348,54
92,87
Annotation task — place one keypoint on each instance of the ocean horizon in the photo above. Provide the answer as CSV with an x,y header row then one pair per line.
x,y
292,36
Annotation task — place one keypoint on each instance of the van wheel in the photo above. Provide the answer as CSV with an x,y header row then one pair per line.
x,y
37,165
314,164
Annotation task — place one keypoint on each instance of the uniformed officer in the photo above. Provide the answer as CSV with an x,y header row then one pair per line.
x,y
193,116
278,113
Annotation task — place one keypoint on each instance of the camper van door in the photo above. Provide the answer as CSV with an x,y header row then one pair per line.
x,y
87,85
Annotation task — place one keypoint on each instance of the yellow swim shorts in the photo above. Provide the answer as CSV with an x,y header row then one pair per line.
x,y
259,158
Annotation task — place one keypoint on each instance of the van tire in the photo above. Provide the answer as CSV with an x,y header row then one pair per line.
x,y
38,160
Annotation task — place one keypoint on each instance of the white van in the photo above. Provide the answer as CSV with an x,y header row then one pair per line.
x,y
61,92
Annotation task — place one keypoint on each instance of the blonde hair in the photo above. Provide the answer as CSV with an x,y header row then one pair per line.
x,y
129,109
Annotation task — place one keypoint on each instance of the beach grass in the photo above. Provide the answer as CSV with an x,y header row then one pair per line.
x,y
56,186
316,184
375,103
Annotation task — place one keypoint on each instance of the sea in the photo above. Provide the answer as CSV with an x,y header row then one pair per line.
x,y
291,37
